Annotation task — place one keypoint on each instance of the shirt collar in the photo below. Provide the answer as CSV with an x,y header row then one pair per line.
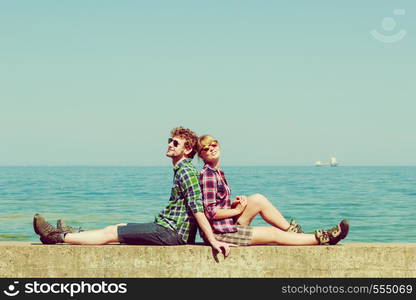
x,y
181,164
207,166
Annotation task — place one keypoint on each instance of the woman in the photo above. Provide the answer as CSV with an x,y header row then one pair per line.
x,y
231,221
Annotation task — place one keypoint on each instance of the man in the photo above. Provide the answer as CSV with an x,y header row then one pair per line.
x,y
175,225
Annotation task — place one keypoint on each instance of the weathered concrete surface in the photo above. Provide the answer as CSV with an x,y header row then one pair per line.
x,y
25,259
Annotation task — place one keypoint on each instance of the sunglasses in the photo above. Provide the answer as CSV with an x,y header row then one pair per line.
x,y
175,142
214,144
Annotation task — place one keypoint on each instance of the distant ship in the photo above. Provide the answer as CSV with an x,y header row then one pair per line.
x,y
332,163
319,163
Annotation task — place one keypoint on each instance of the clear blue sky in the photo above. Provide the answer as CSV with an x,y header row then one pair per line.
x,y
278,82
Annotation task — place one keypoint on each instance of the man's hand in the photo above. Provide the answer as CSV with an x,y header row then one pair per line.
x,y
221,247
216,245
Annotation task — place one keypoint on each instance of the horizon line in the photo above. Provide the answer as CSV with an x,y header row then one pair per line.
x,y
225,165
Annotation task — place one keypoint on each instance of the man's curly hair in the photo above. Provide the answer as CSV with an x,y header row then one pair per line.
x,y
191,139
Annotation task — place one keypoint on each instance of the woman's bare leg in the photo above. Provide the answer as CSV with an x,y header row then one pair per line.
x,y
263,235
94,237
258,204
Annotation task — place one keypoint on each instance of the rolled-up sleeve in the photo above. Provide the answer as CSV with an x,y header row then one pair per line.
x,y
208,183
192,191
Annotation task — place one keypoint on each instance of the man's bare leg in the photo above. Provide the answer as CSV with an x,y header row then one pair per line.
x,y
94,237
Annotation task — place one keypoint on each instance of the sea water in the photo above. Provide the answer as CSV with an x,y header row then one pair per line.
x,y
379,202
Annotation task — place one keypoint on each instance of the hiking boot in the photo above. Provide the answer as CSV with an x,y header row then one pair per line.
x,y
55,237
334,235
65,228
294,227
48,234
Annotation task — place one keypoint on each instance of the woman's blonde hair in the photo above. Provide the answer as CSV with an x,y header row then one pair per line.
x,y
204,140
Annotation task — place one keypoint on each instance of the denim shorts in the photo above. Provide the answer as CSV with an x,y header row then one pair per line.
x,y
148,234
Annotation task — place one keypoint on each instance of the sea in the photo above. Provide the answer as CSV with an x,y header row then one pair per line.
x,y
378,201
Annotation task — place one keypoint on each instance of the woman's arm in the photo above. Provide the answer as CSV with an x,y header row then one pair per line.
x,y
208,182
238,206
223,213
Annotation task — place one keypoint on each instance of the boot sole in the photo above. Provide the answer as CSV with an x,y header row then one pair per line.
x,y
37,232
59,224
34,223
345,228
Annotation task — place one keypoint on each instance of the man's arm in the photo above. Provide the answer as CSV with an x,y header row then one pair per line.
x,y
192,191
205,226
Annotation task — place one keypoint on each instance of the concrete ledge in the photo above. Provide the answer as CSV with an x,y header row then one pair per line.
x,y
25,259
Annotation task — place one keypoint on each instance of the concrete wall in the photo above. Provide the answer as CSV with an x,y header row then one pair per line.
x,y
20,260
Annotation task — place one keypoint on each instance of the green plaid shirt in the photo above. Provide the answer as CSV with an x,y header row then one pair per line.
x,y
185,200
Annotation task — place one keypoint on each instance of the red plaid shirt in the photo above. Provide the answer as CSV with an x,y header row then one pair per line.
x,y
216,194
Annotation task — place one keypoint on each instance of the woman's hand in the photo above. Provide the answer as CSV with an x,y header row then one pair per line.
x,y
240,203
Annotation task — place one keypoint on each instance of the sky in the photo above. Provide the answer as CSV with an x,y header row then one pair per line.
x,y
277,82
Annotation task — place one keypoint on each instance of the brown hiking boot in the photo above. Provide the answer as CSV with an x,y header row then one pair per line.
x,y
48,234
294,227
65,228
334,235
